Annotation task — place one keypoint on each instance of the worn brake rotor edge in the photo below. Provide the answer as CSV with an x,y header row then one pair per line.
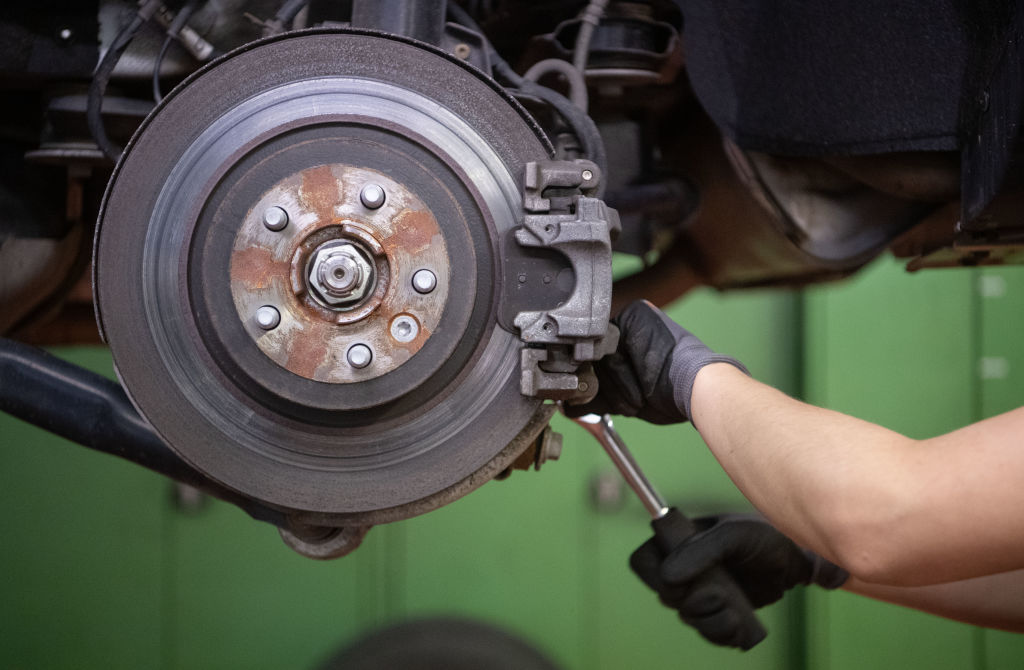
x,y
402,486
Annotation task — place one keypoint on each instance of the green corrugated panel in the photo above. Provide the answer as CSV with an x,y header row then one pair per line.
x,y
1001,370
1001,364
82,552
241,599
899,350
1003,651
514,553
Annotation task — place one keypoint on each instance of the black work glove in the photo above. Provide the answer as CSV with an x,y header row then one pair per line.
x,y
763,562
651,373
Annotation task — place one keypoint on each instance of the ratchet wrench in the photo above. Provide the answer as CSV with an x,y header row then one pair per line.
x,y
671,527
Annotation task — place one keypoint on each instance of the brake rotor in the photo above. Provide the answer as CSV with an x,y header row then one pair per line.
x,y
296,271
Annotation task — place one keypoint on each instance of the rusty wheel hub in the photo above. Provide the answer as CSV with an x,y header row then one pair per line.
x,y
340,274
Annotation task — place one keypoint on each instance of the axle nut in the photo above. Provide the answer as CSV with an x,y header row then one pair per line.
x,y
340,274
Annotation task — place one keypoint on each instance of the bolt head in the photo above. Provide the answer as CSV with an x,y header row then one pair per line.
x,y
275,218
587,175
340,274
359,356
267,317
404,328
424,281
372,196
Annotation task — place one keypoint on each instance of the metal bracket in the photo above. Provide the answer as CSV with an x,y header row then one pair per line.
x,y
562,217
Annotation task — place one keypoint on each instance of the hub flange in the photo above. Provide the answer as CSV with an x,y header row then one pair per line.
x,y
340,273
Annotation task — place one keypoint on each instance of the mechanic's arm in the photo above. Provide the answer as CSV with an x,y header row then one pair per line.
x,y
889,509
993,601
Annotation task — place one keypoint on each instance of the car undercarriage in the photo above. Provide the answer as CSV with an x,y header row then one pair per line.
x,y
347,256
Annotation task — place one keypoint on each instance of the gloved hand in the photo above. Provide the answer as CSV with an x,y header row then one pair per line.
x,y
651,374
763,562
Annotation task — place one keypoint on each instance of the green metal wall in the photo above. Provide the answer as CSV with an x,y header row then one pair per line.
x,y
921,354
100,571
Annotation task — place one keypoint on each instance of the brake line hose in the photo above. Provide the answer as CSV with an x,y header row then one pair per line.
x,y
101,77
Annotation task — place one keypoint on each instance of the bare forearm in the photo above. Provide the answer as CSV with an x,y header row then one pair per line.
x,y
994,601
792,460
887,508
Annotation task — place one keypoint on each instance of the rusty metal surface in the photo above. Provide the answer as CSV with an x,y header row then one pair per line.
x,y
272,268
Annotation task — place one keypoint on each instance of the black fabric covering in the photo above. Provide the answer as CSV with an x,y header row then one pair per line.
x,y
806,78
992,102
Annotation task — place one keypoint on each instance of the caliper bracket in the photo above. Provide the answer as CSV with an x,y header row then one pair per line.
x,y
560,341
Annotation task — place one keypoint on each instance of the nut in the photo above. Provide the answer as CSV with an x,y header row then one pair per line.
x,y
340,273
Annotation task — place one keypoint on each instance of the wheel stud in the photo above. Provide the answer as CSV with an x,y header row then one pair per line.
x,y
424,281
268,318
372,196
275,218
359,355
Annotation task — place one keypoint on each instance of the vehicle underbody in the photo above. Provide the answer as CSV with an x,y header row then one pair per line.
x,y
348,255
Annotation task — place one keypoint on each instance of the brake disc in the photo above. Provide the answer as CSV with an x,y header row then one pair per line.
x,y
297,272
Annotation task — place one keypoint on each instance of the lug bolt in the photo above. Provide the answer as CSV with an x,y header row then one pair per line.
x,y
275,218
268,318
359,355
404,328
372,196
424,281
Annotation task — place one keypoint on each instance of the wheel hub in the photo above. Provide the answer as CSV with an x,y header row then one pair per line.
x,y
340,273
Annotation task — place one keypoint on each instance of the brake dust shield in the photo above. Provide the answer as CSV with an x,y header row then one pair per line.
x,y
297,274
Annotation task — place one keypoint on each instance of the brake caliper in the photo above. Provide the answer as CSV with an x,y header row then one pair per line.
x,y
562,214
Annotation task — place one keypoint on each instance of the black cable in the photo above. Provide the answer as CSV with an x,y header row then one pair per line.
x,y
498,64
101,77
289,10
582,125
173,31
